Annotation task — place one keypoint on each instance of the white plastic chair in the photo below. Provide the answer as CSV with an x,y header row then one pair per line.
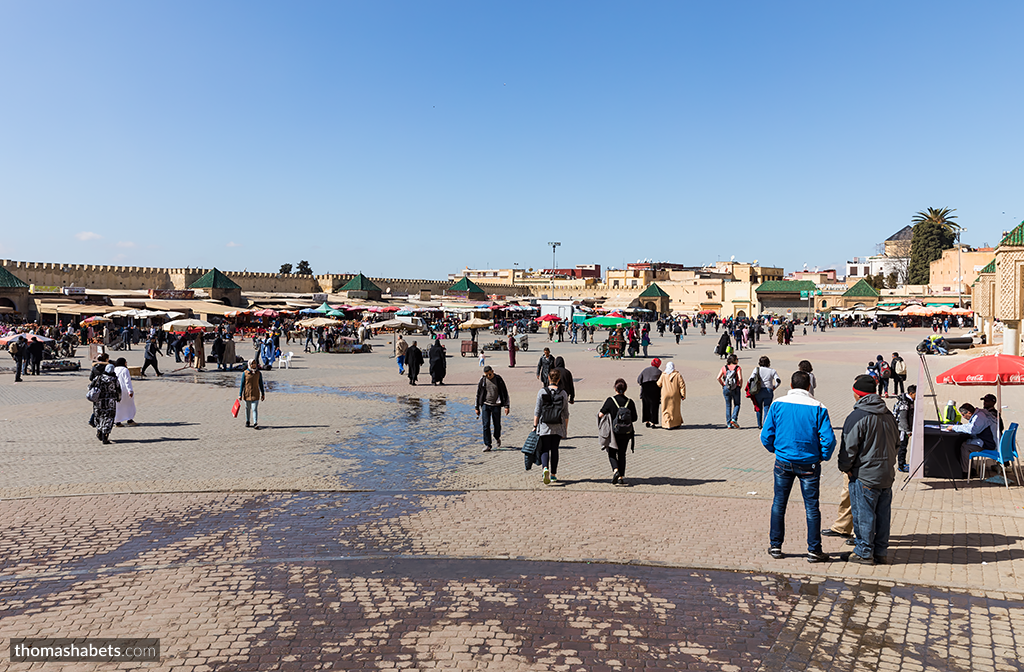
x,y
285,360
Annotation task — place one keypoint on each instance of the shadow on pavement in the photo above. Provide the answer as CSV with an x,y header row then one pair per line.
x,y
654,480
162,439
959,548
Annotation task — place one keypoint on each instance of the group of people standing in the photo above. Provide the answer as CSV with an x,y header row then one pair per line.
x,y
798,430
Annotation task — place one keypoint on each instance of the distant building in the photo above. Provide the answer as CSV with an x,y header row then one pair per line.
x,y
954,271
899,243
859,268
581,271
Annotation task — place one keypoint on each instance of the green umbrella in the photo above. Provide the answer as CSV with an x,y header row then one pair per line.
x,y
324,308
608,321
335,313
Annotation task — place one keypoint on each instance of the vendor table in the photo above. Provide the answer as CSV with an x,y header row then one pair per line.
x,y
942,452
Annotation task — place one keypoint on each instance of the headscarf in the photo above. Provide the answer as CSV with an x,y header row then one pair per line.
x,y
656,363
109,368
670,367
253,364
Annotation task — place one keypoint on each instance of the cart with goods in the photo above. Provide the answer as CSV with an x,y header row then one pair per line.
x,y
496,344
469,347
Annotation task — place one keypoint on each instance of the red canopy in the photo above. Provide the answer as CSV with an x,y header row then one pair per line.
x,y
615,313
549,318
267,312
989,370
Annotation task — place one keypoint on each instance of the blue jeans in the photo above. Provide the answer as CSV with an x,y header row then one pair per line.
x,y
763,398
732,404
810,477
491,414
401,363
872,519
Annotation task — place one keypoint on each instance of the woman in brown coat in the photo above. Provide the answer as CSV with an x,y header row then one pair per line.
x,y
673,391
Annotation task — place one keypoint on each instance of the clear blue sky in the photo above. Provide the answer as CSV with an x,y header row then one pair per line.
x,y
415,138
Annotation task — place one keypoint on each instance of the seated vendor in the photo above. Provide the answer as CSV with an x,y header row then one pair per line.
x,y
982,428
989,402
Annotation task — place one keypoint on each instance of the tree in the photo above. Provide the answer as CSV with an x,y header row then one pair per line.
x,y
934,231
876,281
899,252
303,268
892,281
285,268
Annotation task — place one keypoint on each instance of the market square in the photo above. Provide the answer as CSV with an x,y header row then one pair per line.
x,y
356,472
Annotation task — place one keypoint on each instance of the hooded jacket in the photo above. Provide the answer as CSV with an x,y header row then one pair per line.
x,y
565,379
870,440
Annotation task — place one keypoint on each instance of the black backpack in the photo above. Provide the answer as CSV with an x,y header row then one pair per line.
x,y
551,408
623,421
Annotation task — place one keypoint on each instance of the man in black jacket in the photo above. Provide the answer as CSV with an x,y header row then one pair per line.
x,y
867,454
544,366
492,396
35,354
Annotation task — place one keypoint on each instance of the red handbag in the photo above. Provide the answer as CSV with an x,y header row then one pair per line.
x,y
234,409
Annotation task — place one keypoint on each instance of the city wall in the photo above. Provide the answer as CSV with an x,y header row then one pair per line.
x,y
144,277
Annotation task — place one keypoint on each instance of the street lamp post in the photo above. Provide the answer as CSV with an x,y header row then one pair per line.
x,y
959,271
554,246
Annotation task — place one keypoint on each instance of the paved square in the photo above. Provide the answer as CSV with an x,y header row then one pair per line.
x,y
365,529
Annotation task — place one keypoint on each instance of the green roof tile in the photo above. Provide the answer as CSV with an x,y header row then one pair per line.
x,y
360,283
9,280
214,280
653,291
1015,237
466,285
786,286
990,268
862,288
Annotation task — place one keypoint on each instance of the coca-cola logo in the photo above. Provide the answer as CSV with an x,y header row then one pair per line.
x,y
977,378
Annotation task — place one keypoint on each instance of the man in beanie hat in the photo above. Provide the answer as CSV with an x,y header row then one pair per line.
x,y
867,455
798,430
650,393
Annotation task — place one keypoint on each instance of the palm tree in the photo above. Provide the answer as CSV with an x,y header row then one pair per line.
x,y
942,218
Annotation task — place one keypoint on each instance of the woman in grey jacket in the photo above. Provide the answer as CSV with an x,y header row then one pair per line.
x,y
551,422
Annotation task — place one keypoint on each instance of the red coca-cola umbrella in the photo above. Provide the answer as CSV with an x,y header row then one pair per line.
x,y
549,318
989,370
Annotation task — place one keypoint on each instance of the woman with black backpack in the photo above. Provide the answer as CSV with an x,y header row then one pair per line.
x,y
623,414
551,422
730,378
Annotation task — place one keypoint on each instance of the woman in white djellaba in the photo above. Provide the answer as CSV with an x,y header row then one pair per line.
x,y
126,406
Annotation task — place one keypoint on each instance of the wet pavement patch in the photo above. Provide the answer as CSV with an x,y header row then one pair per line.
x,y
409,444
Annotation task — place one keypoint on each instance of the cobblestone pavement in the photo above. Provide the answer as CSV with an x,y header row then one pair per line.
x,y
364,529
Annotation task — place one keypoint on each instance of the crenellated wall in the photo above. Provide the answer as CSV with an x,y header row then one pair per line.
x,y
145,277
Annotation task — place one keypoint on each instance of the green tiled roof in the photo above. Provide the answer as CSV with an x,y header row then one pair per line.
x,y
360,283
786,286
1015,237
214,280
991,268
466,285
862,288
653,291
8,279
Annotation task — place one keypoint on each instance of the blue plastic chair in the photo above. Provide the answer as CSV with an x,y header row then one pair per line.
x,y
1007,453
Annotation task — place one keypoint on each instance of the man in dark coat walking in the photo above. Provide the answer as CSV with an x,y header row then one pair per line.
x,y
650,393
413,362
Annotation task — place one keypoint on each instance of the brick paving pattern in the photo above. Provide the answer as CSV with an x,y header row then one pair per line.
x,y
364,529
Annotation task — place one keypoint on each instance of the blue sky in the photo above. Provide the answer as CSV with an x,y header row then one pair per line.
x,y
416,138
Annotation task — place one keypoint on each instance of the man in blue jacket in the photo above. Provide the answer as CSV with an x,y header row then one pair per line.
x,y
799,432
